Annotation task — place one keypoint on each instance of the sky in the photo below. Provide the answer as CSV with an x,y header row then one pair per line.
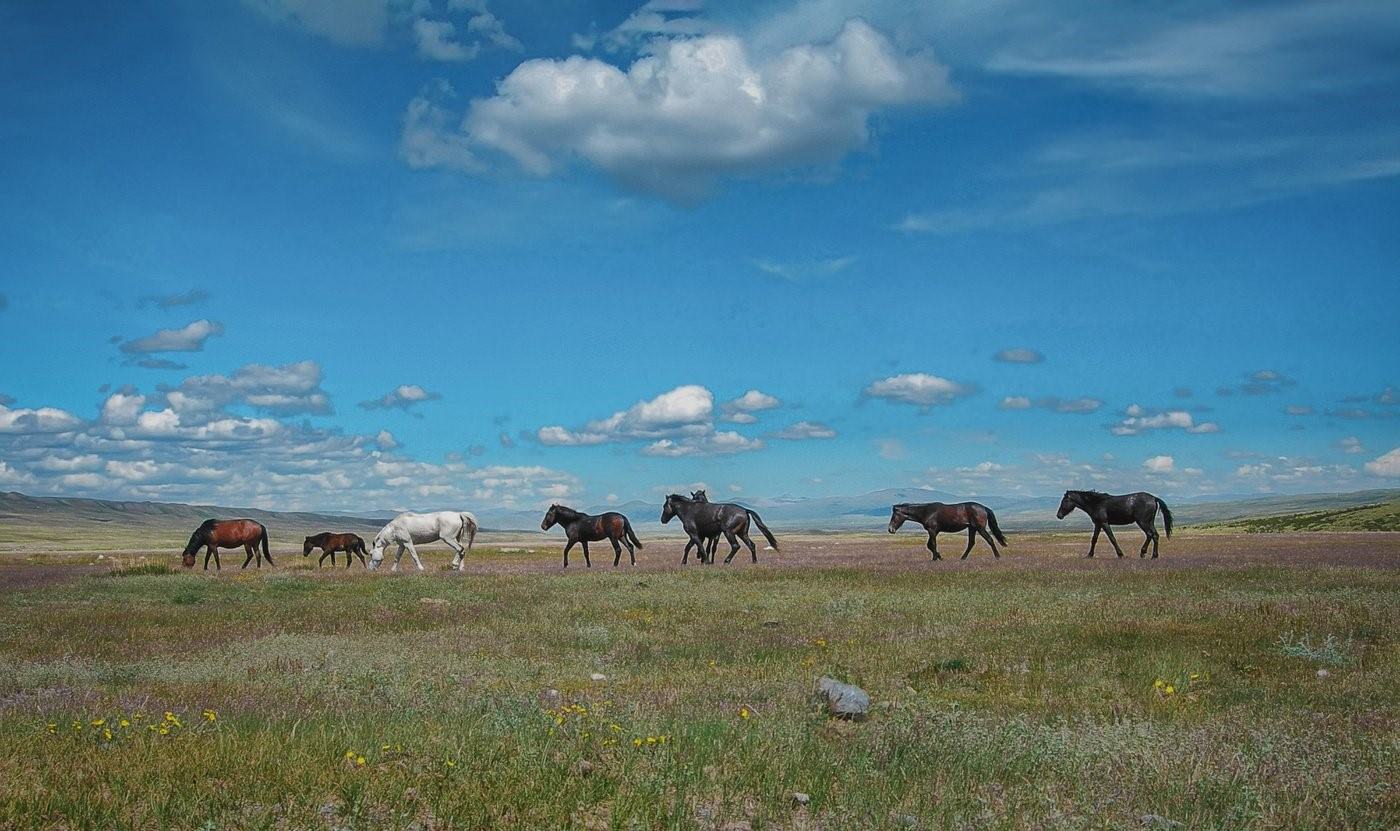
x,y
418,254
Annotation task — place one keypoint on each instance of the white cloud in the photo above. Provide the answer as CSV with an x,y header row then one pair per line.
x,y
41,420
402,397
1019,355
437,41
12,476
918,388
1160,464
891,448
741,410
1298,410
1352,444
347,22
1139,420
713,444
122,407
429,137
685,410
696,109
386,440
1078,406
795,272
1015,402
1387,465
806,430
289,389
189,338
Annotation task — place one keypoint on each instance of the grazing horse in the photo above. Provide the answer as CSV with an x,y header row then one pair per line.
x,y
585,528
936,516
214,534
703,520
1105,510
329,543
408,528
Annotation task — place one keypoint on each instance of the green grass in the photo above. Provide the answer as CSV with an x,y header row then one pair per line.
x,y
1003,699
1382,517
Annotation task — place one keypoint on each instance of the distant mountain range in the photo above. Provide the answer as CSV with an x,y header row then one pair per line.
x,y
20,513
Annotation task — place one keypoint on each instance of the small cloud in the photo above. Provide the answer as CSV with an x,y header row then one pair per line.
x,y
1015,402
741,410
402,397
918,388
1351,444
189,338
1298,410
1139,420
1019,355
386,440
1266,382
1387,465
170,301
159,363
795,272
437,41
1077,406
891,448
804,430
714,444
1160,464
505,440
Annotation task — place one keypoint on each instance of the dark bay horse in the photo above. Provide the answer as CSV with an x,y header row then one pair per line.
x,y
711,543
585,528
936,517
329,543
703,520
228,533
1131,508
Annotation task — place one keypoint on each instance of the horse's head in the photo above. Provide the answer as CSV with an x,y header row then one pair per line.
x,y
187,559
196,541
669,509
550,517
306,546
897,518
700,496
1066,506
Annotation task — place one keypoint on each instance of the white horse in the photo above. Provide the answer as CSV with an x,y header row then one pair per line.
x,y
408,528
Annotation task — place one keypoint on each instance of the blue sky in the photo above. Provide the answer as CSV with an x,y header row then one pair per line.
x,y
391,254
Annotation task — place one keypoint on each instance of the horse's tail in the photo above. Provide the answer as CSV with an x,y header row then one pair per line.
x,y
468,528
262,540
631,535
996,529
1166,516
764,528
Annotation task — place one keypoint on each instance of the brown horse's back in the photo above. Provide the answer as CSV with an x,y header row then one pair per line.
x,y
232,533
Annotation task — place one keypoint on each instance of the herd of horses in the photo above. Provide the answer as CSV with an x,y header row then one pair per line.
x,y
704,522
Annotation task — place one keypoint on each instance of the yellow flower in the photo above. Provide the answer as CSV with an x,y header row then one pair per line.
x,y
384,747
360,761
210,715
349,754
662,739
98,722
1159,683
1195,675
743,712
107,734
53,728
651,740
450,763
636,742
820,641
1170,689
164,731
124,723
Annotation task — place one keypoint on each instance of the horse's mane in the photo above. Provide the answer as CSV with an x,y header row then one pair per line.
x,y
1092,497
671,496
565,510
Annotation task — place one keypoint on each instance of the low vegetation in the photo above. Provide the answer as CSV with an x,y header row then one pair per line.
x,y
1110,697
1382,517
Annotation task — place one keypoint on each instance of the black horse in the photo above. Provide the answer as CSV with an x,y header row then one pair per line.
x,y
585,528
703,520
711,543
936,516
1105,510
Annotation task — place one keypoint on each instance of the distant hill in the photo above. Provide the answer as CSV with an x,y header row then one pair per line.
x,y
59,523
1382,517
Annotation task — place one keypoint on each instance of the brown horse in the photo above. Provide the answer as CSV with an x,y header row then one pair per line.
x,y
228,533
585,528
330,543
936,516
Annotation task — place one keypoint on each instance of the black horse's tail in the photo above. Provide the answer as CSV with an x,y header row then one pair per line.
x,y
262,540
764,528
1166,516
996,529
631,535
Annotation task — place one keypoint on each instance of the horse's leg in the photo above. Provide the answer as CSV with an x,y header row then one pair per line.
x,y
587,563
413,552
733,545
685,555
971,541
398,556
459,554
567,546
1146,538
322,559
933,544
217,565
249,550
753,552
207,552
617,551
1109,531
714,546
1094,540
988,538
631,550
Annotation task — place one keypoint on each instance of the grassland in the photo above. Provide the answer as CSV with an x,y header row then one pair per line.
x,y
1380,517
1038,691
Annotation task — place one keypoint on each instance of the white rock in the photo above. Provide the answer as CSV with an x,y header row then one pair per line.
x,y
1322,673
598,676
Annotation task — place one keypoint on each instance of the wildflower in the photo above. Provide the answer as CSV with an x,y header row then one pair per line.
x,y
123,723
349,754
359,761
451,763
210,716
138,716
1159,683
651,740
1195,676
636,742
53,728
164,731
384,747
107,734
662,739
820,641
98,722
744,712
1170,689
